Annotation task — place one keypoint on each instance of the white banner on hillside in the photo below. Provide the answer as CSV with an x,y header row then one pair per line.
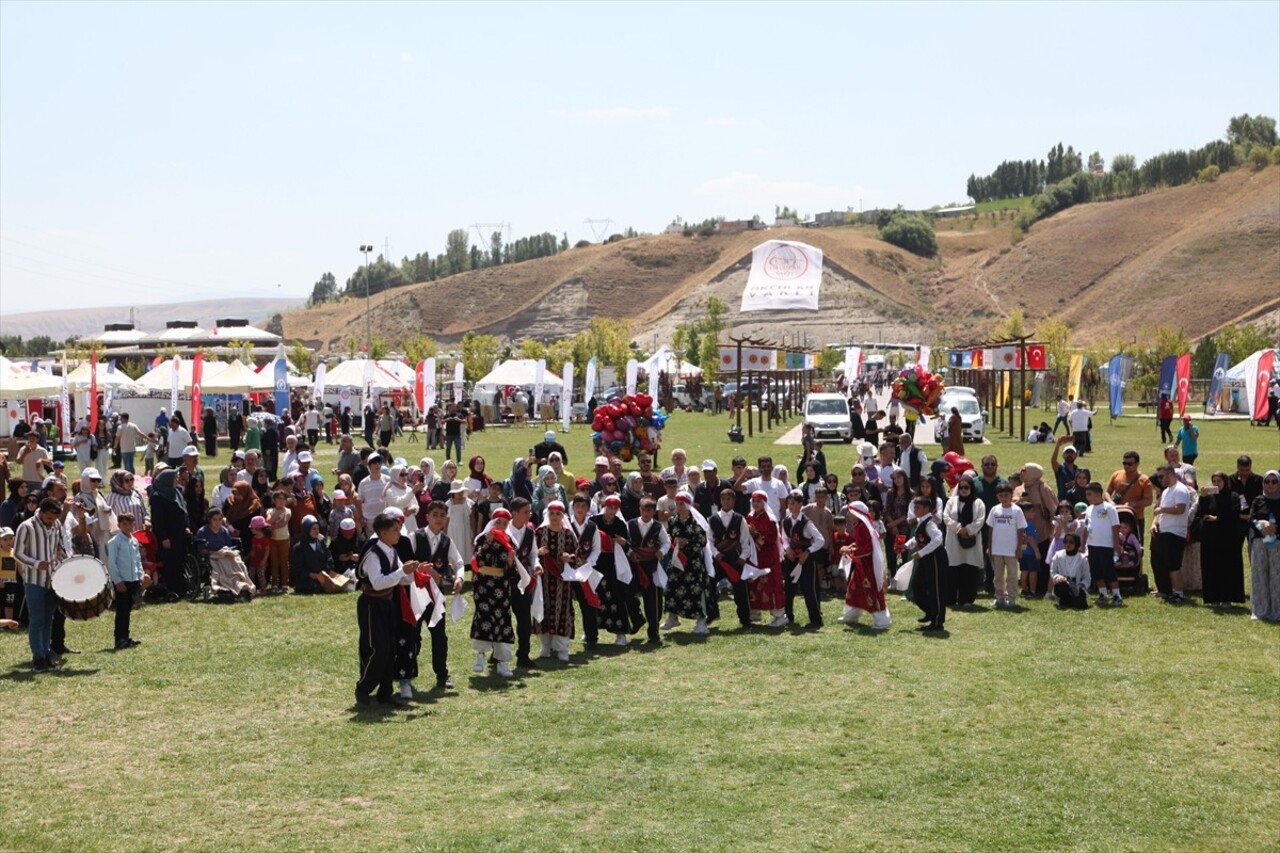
x,y
784,276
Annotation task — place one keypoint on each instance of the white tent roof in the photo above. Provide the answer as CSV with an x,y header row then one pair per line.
x,y
79,378
398,369
1245,376
665,360
19,385
236,378
161,377
518,372
350,374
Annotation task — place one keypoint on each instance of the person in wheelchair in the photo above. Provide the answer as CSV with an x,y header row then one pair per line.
x,y
216,547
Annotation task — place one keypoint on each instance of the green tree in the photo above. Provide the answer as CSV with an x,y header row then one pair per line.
x,y
457,250
1240,342
1012,326
1096,163
913,233
1123,163
324,290
1056,337
419,347
495,248
1248,131
828,358
478,354
532,349
301,356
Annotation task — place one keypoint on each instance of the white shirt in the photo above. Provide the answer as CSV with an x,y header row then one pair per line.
x,y
290,463
664,540
1101,521
1005,523
774,488
370,493
818,541
1169,498
311,419
373,568
1074,568
1063,408
433,542
179,438
682,476
590,561
1079,419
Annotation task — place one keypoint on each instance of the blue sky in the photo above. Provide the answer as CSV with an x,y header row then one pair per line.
x,y
154,152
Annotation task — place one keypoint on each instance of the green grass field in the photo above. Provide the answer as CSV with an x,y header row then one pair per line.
x,y
233,727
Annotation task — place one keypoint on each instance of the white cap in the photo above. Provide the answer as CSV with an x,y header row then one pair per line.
x,y
190,450
602,460
90,474
304,456
347,524
394,511
239,454
709,465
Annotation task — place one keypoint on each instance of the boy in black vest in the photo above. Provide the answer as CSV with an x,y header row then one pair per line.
x,y
650,543
378,574
729,535
521,533
803,541
432,547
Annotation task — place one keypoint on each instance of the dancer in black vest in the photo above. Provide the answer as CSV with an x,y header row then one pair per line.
x,y
931,577
522,536
437,553
803,540
587,553
650,545
730,540
618,613
379,572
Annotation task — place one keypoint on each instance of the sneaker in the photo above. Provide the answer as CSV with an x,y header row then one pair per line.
x,y
504,669
1101,599
1116,600
701,628
478,666
620,640
563,657
778,622
672,622
406,690
1177,598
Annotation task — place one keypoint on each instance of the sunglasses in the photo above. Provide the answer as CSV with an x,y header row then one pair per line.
x,y
1271,480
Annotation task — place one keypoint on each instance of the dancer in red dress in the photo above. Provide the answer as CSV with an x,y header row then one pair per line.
x,y
865,564
766,592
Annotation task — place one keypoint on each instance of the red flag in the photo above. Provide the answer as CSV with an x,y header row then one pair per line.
x,y
1266,367
155,362
420,383
1036,359
93,392
1183,374
977,359
197,375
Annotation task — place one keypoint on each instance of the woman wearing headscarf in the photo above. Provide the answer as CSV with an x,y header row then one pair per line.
x,y
782,475
547,491
429,476
126,497
209,429
399,494
608,486
448,473
965,516
262,486
1044,505
556,544
222,491
812,482
689,585
1223,519
239,510
1264,549
477,481
301,503
563,475
172,527
766,593
310,562
632,493
519,484
897,512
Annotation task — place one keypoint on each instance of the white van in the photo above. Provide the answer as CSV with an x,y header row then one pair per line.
x,y
828,414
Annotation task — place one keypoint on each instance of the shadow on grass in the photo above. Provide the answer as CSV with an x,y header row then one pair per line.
x,y
863,629
934,635
687,639
375,713
1229,609
971,608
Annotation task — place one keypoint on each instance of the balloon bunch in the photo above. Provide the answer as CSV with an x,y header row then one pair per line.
x,y
957,465
627,425
918,389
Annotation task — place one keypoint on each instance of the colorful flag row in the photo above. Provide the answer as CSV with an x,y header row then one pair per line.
x,y
999,358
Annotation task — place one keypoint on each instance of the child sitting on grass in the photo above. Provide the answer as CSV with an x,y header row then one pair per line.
x,y
1069,574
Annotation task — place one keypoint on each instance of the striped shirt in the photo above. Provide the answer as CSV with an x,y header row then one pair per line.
x,y
35,544
133,502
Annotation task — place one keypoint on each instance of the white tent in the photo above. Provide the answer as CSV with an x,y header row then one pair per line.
x,y
398,369
19,385
107,378
350,374
160,378
664,360
1245,377
519,372
236,378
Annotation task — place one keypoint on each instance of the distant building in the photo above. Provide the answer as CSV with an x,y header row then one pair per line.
x,y
951,212
830,218
785,222
676,227
734,226
122,340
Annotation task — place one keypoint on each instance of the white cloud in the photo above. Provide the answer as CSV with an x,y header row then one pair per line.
x,y
744,194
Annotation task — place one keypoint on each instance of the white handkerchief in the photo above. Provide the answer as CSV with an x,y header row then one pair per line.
x,y
458,607
750,572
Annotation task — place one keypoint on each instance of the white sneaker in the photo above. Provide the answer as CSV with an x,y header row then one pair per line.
x,y
779,622
504,669
621,640
701,627
563,657
672,622
406,689
545,653
849,617
478,666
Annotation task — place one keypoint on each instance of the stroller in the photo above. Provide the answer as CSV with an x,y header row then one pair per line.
x,y
1129,565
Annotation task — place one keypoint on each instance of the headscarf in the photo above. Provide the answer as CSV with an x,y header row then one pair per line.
x,y
965,504
164,488
484,478
544,472
519,486
243,503
781,474
860,512
428,473
633,479
117,484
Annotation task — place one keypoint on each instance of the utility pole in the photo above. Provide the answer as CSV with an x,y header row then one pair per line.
x,y
368,327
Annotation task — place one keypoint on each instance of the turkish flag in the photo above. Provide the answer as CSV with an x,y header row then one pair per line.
x,y
1266,368
197,377
420,384
1182,371
1036,359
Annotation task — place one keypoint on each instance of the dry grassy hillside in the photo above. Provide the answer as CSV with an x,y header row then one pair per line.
x,y
1197,256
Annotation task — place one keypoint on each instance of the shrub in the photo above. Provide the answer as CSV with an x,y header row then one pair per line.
x,y
912,233
1208,174
1259,157
1275,154
582,244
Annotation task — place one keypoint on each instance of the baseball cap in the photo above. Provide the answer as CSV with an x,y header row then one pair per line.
x,y
190,450
550,435
1070,448
374,457
347,524
6,531
90,474
602,461
58,463
239,454
304,456
709,465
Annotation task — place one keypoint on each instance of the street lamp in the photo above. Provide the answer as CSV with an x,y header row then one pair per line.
x,y
368,333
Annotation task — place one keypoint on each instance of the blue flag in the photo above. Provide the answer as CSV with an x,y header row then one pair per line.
x,y
1168,377
1219,378
282,387
1117,376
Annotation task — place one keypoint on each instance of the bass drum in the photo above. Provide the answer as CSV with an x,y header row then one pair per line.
x,y
82,587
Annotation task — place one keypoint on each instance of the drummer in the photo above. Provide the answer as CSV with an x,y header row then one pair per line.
x,y
40,545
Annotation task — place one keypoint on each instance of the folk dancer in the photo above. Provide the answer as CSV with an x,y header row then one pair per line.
x,y
732,548
495,574
931,576
583,562
650,545
556,543
379,572
436,552
691,583
619,613
802,540
864,564
767,592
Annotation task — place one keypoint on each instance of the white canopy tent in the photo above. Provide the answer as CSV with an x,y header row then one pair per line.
x,y
664,360
350,374
107,378
20,385
1244,376
160,378
519,372
236,378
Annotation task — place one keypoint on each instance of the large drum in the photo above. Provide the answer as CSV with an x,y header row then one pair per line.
x,y
82,587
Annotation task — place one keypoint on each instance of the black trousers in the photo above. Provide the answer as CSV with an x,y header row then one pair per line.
x,y
652,597
58,636
313,437
124,609
741,598
210,444
377,620
439,650
271,461
590,624
931,585
804,586
1067,597
233,436
520,604
408,646
967,580
385,437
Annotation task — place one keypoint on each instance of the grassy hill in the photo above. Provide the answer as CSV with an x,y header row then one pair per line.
x,y
1199,255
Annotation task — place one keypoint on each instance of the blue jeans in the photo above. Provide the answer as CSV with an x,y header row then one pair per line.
x,y
40,607
126,456
451,442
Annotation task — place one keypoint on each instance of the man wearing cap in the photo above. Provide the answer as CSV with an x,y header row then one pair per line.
x,y
602,468
99,516
650,544
379,571
803,540
191,463
706,497
543,449
619,612
370,490
59,472
731,547
1065,472
432,547
35,461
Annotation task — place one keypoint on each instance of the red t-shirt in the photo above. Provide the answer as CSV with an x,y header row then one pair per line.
x,y
1166,409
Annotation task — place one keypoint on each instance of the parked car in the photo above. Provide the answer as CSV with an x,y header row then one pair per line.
x,y
972,418
828,414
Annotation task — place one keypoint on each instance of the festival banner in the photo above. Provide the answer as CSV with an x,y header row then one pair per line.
x,y
197,376
1266,367
966,359
459,379
539,380
93,394
923,361
784,276
1220,365
281,375
589,390
955,358
753,358
1073,375
1118,377
979,359
429,392
65,402
108,394
1037,358
633,369
1182,371
317,390
174,381
1168,376
420,385
852,361
566,396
